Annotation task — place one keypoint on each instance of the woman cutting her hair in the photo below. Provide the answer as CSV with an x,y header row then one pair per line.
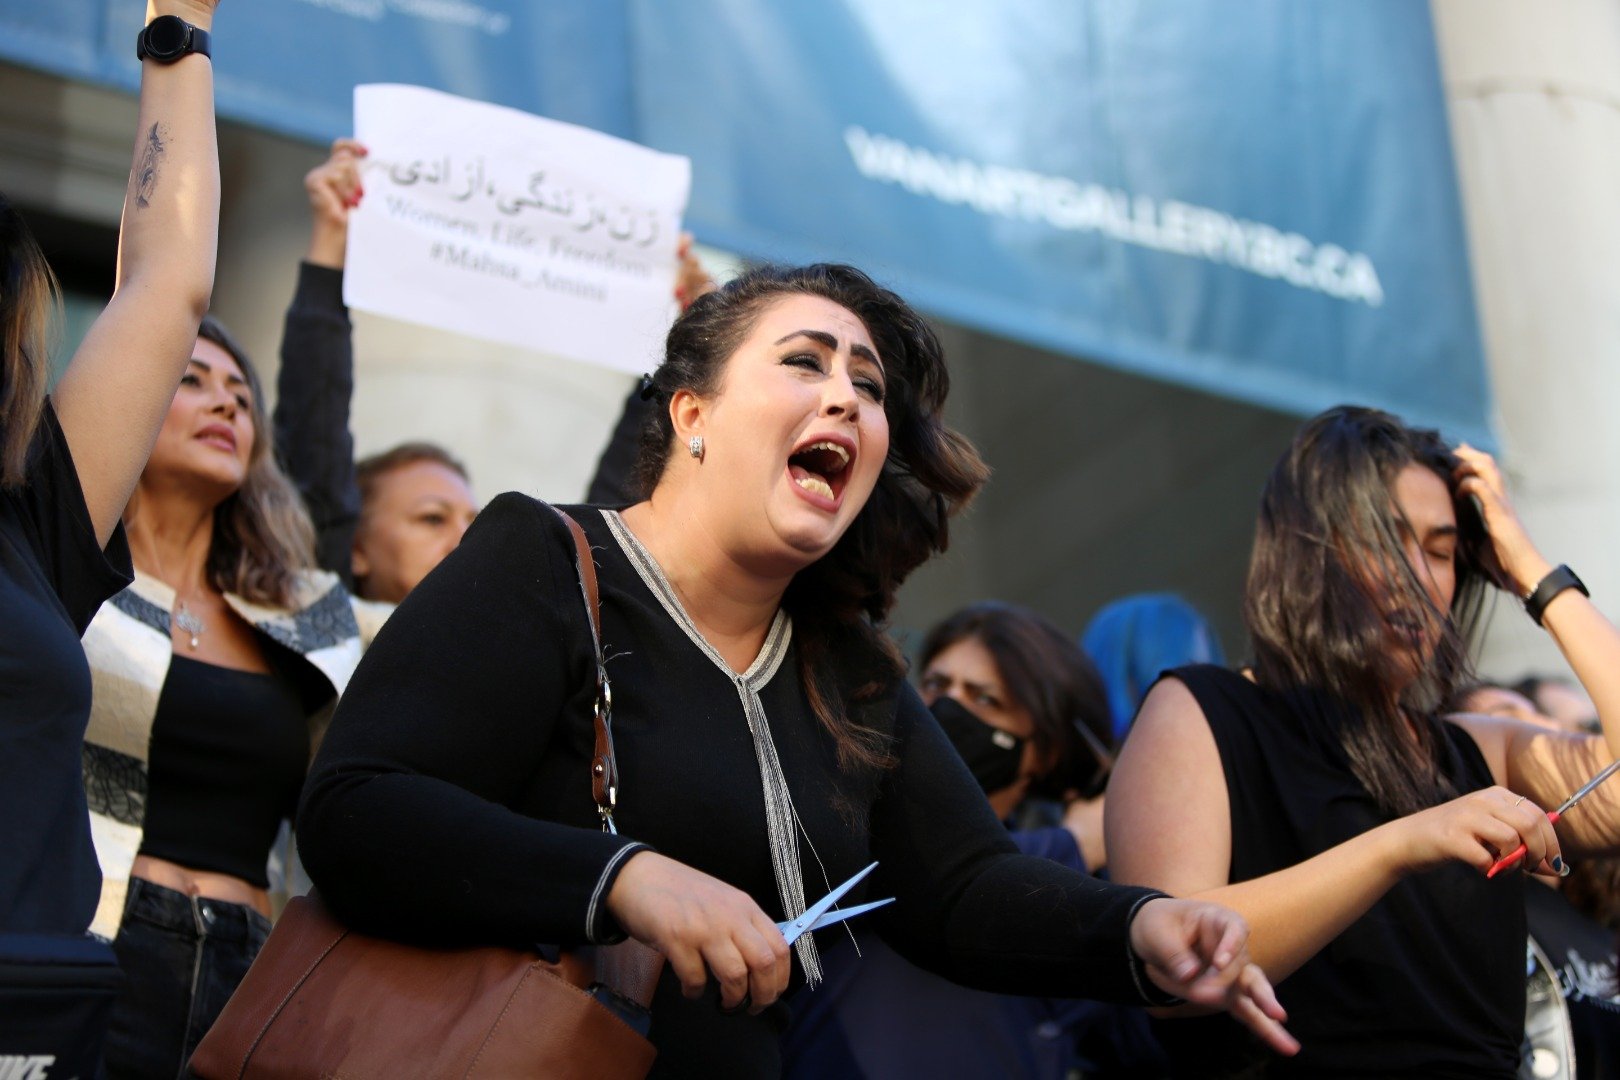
x,y
1323,796
769,747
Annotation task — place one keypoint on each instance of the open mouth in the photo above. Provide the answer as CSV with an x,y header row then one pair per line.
x,y
821,468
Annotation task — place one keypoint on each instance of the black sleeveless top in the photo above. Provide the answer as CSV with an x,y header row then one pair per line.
x,y
227,761
1429,983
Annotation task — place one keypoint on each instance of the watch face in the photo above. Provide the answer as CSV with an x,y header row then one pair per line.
x,y
166,37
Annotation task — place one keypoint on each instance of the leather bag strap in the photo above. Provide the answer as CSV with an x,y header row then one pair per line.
x,y
604,765
630,968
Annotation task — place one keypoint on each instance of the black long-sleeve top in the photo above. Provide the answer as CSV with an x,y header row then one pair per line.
x,y
314,389
613,483
451,800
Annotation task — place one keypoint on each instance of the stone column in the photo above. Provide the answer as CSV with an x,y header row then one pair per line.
x,y
1534,96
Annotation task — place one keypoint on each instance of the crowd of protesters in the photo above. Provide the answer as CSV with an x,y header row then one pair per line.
x,y
1101,863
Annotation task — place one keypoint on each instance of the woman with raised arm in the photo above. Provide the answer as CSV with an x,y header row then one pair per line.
x,y
382,523
69,463
1321,794
768,744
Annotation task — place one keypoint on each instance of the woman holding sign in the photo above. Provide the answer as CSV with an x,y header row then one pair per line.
x,y
768,744
381,523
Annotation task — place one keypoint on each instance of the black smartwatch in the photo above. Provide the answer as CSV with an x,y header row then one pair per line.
x,y
1550,586
169,37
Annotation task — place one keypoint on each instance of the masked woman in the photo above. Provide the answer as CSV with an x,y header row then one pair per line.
x,y
213,673
768,745
1322,795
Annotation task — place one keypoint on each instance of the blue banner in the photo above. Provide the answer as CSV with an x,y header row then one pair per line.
x,y
1255,199
292,65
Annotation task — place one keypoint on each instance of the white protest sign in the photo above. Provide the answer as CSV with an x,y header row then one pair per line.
x,y
490,222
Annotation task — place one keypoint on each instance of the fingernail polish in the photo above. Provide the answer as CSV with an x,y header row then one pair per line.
x,y
1559,865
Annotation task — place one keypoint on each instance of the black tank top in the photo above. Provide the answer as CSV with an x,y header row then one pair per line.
x,y
228,756
1429,983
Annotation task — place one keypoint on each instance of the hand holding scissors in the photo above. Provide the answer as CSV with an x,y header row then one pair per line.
x,y
706,928
1586,789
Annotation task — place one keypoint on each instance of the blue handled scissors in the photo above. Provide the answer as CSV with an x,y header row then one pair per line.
x,y
822,913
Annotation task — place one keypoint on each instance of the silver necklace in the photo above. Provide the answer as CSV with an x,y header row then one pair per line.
x,y
187,620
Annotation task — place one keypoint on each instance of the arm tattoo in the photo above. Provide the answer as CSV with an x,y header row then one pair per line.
x,y
143,180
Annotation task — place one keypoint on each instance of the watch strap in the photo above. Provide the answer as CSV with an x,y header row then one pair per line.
x,y
1556,581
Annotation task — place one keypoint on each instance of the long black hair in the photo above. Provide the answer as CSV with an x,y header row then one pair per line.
x,y
839,603
1327,570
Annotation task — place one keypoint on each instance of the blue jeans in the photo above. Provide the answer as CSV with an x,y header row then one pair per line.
x,y
184,956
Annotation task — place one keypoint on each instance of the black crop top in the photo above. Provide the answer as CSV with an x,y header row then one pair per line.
x,y
228,756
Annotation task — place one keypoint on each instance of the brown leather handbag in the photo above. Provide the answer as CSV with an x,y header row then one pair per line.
x,y
324,1001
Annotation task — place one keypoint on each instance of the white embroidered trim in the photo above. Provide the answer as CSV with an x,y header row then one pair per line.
x,y
601,883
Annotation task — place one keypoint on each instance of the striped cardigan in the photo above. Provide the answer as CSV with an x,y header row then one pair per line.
x,y
129,647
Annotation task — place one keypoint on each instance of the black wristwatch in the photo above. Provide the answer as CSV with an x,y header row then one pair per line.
x,y
1550,586
169,37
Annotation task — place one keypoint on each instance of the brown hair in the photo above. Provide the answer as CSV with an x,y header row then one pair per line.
x,y
1319,631
839,603
371,469
28,297
262,533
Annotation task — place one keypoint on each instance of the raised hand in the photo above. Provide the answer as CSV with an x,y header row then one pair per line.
x,y
1518,565
702,925
1199,951
334,189
691,280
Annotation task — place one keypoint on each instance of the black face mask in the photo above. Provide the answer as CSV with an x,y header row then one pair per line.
x,y
992,755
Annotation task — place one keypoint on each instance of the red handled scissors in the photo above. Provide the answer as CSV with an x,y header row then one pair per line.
x,y
1518,853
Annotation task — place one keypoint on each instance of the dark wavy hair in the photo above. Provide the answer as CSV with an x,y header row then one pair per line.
x,y
262,533
1328,566
1047,673
28,297
839,603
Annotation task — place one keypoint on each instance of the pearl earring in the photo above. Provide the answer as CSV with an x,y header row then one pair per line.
x,y
694,446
